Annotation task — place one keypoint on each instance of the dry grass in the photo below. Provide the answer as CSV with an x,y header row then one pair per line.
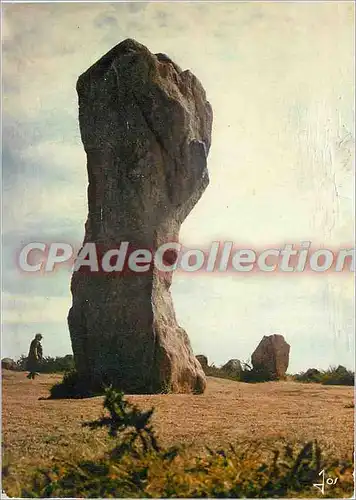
x,y
38,432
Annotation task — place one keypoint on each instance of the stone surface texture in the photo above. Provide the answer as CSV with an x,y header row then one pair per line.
x,y
232,367
272,356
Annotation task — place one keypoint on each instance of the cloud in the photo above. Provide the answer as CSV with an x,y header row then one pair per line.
x,y
34,309
280,165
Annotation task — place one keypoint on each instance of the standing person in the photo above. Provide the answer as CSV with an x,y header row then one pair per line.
x,y
35,356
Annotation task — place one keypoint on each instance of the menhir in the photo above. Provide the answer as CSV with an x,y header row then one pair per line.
x,y
146,129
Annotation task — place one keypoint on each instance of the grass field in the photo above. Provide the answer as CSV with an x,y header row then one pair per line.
x,y
38,432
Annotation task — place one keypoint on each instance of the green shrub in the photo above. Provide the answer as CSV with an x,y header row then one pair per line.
x,y
138,467
332,376
253,375
21,363
247,374
308,376
338,376
59,364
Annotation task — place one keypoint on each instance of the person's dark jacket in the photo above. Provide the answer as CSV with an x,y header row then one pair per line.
x,y
35,355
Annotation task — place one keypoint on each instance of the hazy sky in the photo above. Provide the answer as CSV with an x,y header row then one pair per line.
x,y
280,80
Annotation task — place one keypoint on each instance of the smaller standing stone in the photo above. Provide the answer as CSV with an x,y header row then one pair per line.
x,y
272,356
203,360
312,373
233,367
8,364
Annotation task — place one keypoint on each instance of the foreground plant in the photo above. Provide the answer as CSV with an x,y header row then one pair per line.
x,y
138,467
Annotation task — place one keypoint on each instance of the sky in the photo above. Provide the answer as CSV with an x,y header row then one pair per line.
x,y
280,79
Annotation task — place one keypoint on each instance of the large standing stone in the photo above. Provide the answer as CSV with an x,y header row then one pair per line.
x,y
271,356
146,129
